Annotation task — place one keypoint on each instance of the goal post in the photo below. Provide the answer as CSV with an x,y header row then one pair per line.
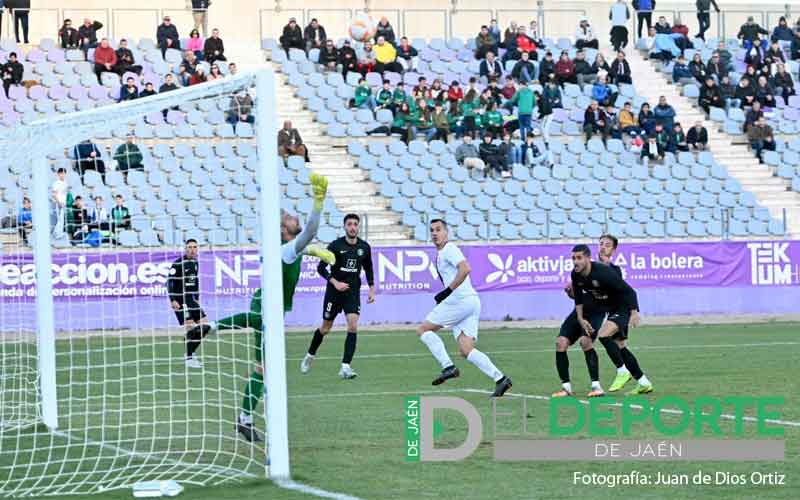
x,y
95,391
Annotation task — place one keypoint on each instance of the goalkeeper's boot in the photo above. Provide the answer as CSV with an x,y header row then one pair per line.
x,y
193,362
619,381
640,389
248,432
596,393
347,373
305,365
501,387
448,373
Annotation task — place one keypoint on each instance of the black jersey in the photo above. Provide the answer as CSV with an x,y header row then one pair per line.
x,y
183,279
350,259
606,288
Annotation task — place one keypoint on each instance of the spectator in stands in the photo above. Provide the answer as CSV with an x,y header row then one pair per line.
x,y
60,196
565,70
214,48
715,69
422,121
490,154
385,30
680,28
67,35
87,33
745,93
662,26
749,32
400,123
584,72
601,92
200,15
290,142
494,30
531,155
467,155
125,60
533,34
190,61
751,75
120,215
678,140
652,150
595,122
725,57
524,70
774,54
510,152
644,13
782,82
484,43
628,122
519,44
105,59
704,16
508,36
214,73
782,32
765,94
20,10
399,96
240,109
98,216
407,55
754,58
129,91
794,48
663,137
584,35
441,124
769,143
347,58
128,156
148,90
494,121
648,43
619,16
681,73
328,56
710,95
195,44
757,134
25,220
612,123
697,68
490,68
600,64
77,222
12,72
383,99
367,59
547,68
697,137
525,100
620,70
664,114
362,96
232,70
199,76
728,92
314,35
551,99
292,37
455,93
647,119
386,57
184,75
167,36
436,92
754,114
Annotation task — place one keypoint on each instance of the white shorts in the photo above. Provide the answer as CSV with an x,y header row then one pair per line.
x,y
461,316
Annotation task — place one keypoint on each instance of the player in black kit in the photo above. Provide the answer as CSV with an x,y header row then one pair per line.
x,y
183,286
343,292
614,296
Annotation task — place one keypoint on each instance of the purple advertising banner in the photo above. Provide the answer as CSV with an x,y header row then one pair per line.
x,y
137,279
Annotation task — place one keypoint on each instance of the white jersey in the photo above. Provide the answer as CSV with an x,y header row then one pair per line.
x,y
60,189
447,261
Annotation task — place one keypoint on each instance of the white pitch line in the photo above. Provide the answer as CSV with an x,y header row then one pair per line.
x,y
787,423
311,490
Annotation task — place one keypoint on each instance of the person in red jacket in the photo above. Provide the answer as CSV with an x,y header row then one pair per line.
x,y
565,70
104,59
455,93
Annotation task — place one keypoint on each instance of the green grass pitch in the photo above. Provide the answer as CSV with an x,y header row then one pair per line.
x,y
347,436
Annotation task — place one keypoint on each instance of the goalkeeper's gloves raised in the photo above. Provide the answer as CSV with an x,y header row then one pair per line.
x,y
323,254
443,295
319,186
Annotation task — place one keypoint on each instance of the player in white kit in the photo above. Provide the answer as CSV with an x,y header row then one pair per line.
x,y
457,307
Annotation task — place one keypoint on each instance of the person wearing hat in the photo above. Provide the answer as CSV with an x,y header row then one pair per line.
x,y
584,35
167,36
292,37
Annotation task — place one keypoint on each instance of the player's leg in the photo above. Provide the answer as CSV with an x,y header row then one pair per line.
x,y
466,345
593,365
252,395
644,385
316,341
427,334
569,333
197,328
616,326
623,374
346,372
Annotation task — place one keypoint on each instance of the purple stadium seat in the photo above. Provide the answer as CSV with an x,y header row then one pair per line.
x,y
374,80
410,78
10,118
130,74
78,92
394,78
98,92
37,93
175,117
36,56
448,55
56,56
155,118
152,78
792,114
794,101
17,92
6,106
58,93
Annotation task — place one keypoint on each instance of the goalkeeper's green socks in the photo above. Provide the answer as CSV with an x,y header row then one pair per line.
x,y
252,394
239,321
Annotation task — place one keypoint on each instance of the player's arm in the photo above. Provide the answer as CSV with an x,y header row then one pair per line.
x,y
327,275
629,296
175,285
368,272
464,269
319,187
577,295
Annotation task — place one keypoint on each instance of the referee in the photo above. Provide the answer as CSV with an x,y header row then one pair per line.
x,y
343,292
183,286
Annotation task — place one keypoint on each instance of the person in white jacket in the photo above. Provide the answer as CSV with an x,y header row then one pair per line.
x,y
584,35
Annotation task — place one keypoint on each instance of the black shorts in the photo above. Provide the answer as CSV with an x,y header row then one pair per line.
x,y
571,328
190,310
621,318
336,302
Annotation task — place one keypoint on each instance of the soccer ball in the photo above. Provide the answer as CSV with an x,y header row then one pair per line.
x,y
362,27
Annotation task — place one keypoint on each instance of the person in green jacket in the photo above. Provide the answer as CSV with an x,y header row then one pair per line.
x,y
399,124
441,123
128,156
363,96
423,122
399,96
525,100
384,98
494,121
455,118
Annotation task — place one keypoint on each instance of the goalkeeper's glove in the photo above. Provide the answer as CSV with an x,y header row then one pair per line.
x,y
443,295
319,186
323,254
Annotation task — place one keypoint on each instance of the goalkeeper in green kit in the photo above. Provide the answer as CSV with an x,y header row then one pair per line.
x,y
295,244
